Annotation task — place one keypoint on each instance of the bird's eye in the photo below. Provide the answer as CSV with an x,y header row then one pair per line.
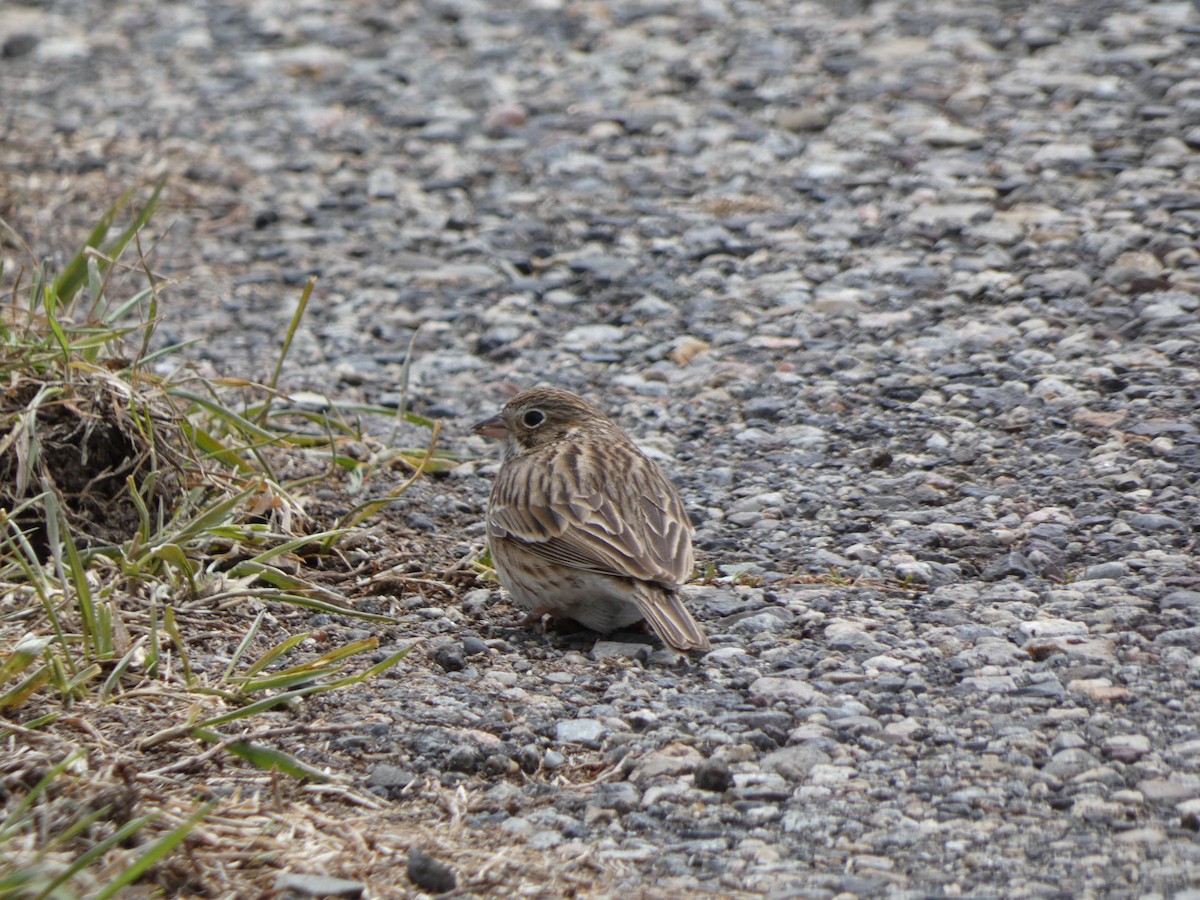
x,y
533,418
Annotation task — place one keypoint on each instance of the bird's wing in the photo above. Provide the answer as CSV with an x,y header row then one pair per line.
x,y
601,507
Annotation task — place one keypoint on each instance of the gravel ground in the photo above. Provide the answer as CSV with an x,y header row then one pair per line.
x,y
905,293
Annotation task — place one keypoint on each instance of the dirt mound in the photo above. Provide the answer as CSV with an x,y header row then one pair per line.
x,y
109,456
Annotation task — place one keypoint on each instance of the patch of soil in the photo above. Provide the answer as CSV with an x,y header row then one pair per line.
x,y
83,441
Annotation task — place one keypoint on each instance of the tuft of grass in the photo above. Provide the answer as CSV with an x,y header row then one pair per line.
x,y
141,506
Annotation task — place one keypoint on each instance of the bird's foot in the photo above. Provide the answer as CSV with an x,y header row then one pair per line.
x,y
533,617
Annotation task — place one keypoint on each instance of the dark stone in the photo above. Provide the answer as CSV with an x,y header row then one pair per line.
x,y
1181,600
430,874
450,658
713,775
420,521
1147,522
472,645
391,777
464,758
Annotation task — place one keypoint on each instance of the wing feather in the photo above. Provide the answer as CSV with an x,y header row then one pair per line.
x,y
599,506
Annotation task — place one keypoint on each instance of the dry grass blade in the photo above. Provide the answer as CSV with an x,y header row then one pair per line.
x,y
287,342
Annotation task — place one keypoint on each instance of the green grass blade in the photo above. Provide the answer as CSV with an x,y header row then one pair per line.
x,y
105,646
173,631
94,631
27,560
308,671
242,646
74,274
142,511
286,697
287,343
384,664
118,312
214,515
78,827
123,663
74,684
27,651
285,680
145,360
325,606
172,554
25,803
154,654
277,578
56,329
256,707
20,692
237,423
351,649
31,725
296,544
274,653
155,852
265,758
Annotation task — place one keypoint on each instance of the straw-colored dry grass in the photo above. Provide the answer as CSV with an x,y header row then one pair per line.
x,y
159,690
260,824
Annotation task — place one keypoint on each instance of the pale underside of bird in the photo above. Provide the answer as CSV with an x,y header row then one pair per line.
x,y
582,524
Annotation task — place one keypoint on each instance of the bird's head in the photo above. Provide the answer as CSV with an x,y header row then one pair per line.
x,y
538,417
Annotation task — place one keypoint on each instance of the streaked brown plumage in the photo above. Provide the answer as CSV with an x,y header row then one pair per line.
x,y
582,524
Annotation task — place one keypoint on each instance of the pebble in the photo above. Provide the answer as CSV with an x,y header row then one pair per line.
x,y
430,874
473,646
1126,748
1168,790
580,731
296,885
794,763
773,689
620,650
391,779
450,657
1152,522
713,775
1188,638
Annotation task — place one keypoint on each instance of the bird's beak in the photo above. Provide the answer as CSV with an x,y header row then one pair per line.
x,y
493,428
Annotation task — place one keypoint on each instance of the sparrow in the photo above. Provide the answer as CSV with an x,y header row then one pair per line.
x,y
582,524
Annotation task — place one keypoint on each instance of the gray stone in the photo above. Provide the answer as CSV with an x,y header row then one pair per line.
x,y
774,689
1126,748
1180,637
388,776
620,796
1066,764
1106,570
794,763
620,650
580,731
1151,522
295,885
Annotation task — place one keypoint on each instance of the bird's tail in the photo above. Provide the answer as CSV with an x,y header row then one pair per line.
x,y
669,618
